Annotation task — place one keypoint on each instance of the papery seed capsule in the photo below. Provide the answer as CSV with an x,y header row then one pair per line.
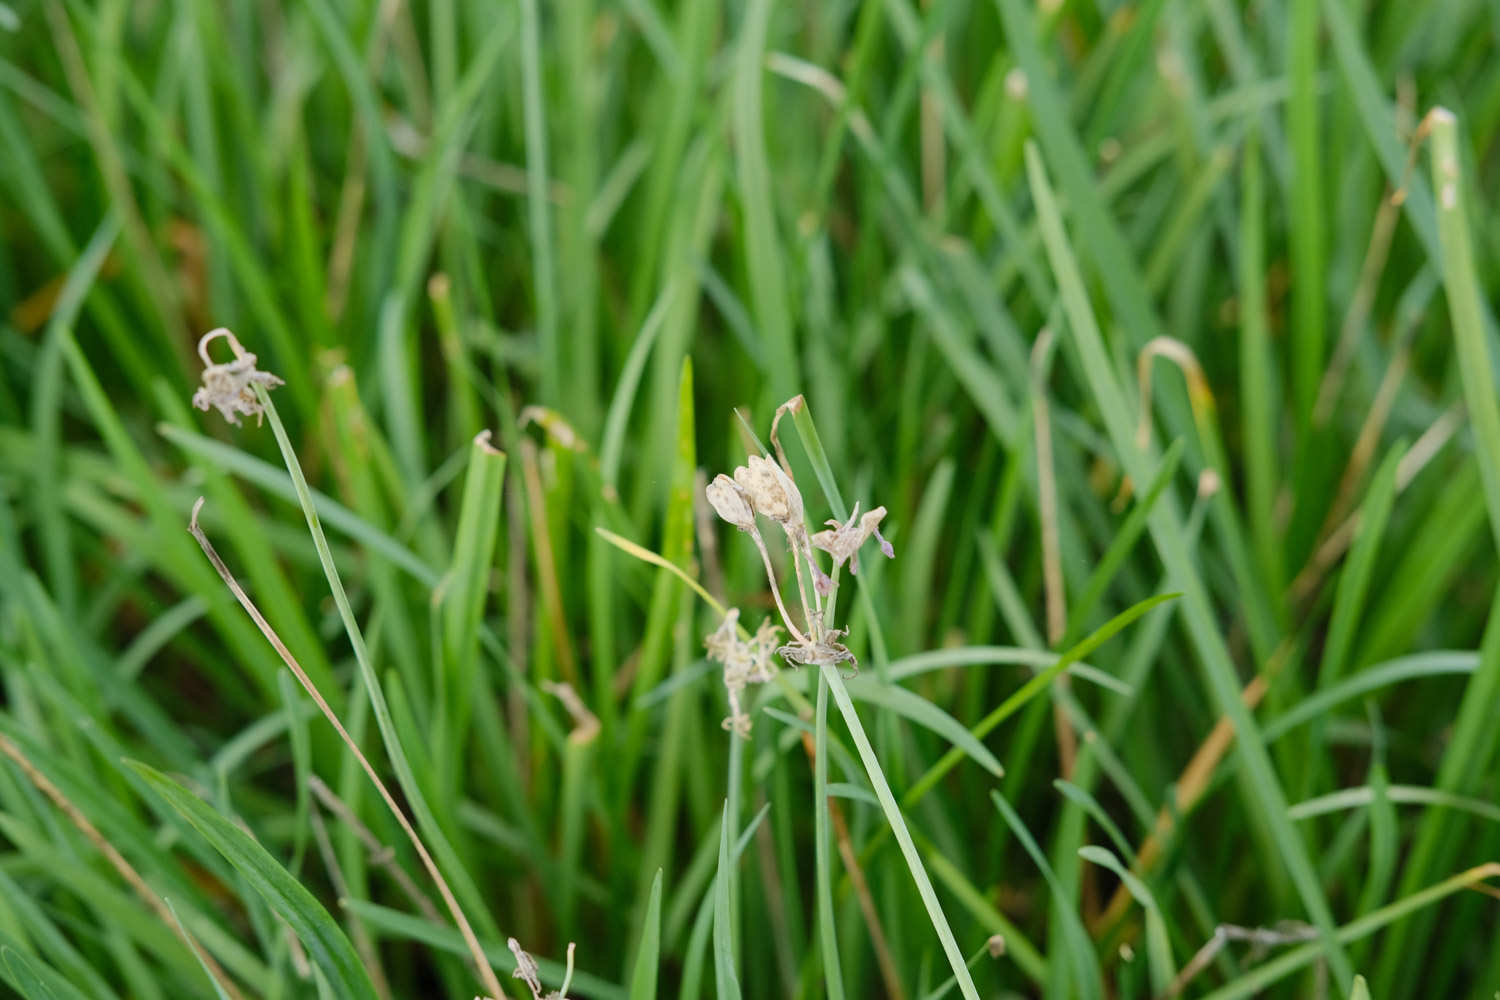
x,y
771,491
730,500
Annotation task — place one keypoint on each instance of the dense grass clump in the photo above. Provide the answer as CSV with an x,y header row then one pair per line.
x,y
1154,341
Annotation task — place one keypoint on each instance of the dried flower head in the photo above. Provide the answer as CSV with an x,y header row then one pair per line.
x,y
842,541
526,967
228,386
746,662
771,491
731,501
528,972
826,648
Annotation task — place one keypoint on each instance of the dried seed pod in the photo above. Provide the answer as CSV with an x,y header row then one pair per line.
x,y
731,501
771,491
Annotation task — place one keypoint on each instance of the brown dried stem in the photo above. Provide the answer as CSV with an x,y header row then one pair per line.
x,y
476,951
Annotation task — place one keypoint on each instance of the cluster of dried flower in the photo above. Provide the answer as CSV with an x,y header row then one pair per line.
x,y
229,386
746,662
764,488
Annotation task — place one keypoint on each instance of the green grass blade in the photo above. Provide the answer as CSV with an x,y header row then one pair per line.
x,y
326,945
1262,786
1084,969
763,250
1354,582
725,978
648,953
903,837
833,976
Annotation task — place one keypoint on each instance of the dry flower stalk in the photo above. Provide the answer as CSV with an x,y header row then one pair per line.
x,y
466,931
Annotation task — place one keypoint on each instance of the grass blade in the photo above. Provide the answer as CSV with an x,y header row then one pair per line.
x,y
647,955
326,944
1262,786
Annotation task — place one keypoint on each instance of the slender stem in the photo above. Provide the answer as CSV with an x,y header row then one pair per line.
x,y
486,974
646,555
776,590
903,835
814,624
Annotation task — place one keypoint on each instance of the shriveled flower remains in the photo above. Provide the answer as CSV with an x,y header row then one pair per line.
x,y
228,387
764,487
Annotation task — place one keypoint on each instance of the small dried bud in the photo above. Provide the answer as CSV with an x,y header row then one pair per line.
x,y
731,501
771,491
526,968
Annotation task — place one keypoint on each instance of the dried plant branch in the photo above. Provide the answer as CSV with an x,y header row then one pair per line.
x,y
476,951
381,855
1261,938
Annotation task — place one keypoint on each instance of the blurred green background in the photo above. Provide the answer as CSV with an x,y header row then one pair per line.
x,y
598,228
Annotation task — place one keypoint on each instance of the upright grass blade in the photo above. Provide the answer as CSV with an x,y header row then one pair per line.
x,y
648,954
1355,581
1084,968
903,836
1263,790
1461,282
833,976
1121,545
1471,752
46,417
1258,427
1307,208
763,251
1158,947
467,586
726,979
544,267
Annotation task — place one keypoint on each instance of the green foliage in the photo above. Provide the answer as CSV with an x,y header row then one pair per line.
x,y
1252,683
